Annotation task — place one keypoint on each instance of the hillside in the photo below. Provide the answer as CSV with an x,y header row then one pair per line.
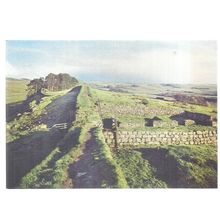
x,y
85,137
16,90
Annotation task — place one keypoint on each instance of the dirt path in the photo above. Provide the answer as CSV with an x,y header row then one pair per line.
x,y
90,170
62,110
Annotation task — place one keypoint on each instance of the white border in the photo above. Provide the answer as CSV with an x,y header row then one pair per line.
x,y
105,20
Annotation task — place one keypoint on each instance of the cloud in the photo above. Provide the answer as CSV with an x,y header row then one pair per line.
x,y
135,61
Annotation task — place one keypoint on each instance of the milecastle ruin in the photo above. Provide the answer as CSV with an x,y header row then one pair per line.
x,y
137,138
118,133
135,110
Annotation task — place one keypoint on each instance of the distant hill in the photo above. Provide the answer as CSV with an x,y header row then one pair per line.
x,y
15,79
16,90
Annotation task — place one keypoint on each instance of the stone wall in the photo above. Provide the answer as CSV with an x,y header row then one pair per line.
x,y
131,125
139,111
135,138
165,124
198,118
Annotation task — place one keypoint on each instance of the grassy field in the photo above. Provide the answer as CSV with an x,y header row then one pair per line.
x,y
138,172
111,100
190,166
16,90
169,166
163,166
153,90
86,119
25,125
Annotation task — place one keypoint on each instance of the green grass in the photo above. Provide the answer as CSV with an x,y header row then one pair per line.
x,y
179,128
16,90
32,180
86,119
116,98
137,171
197,164
208,110
114,168
152,90
55,93
24,124
196,171
200,163
60,171
85,109
111,99
126,167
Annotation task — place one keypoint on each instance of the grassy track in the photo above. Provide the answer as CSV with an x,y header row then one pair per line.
x,y
86,119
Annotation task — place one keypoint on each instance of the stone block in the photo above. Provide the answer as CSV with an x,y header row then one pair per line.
x,y
189,122
138,140
145,136
109,141
130,140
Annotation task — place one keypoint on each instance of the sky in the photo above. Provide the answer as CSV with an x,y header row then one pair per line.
x,y
115,61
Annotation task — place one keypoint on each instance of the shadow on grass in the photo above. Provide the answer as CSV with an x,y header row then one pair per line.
x,y
92,169
70,140
167,168
12,110
66,144
25,153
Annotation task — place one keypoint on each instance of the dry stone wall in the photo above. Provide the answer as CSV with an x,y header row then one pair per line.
x,y
165,124
139,111
134,138
127,125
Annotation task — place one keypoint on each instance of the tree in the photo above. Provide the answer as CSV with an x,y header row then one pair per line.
x,y
52,82
59,82
35,86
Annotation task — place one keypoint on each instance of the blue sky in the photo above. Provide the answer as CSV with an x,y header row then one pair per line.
x,y
116,61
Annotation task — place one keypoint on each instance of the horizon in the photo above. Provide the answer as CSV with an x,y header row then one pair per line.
x,y
132,83
137,62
